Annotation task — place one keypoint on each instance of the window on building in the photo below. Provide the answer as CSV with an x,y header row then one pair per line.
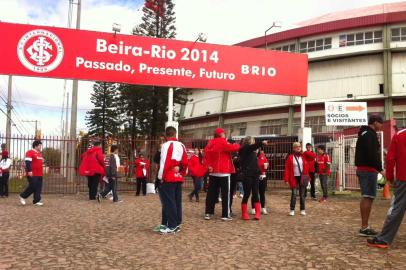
x,y
377,36
400,118
315,45
274,126
398,34
286,48
303,47
360,38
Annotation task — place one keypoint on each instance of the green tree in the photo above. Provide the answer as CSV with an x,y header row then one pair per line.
x,y
52,157
144,107
103,120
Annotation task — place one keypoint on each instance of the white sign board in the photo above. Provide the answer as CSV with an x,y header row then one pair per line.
x,y
346,113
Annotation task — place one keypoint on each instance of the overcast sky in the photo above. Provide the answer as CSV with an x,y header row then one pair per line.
x,y
224,21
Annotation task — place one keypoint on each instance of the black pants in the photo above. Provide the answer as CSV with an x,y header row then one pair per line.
x,y
4,184
141,182
233,188
302,189
216,182
111,186
262,189
324,184
171,197
250,184
34,186
92,184
312,185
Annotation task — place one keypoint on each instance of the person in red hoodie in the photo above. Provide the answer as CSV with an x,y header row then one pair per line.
x,y
310,157
141,173
323,170
197,172
217,158
394,159
172,170
296,175
93,167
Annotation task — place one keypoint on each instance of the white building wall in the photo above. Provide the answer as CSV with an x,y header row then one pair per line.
x,y
399,73
246,101
203,101
359,76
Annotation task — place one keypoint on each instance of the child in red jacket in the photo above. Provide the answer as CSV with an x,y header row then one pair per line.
x,y
141,173
197,172
296,175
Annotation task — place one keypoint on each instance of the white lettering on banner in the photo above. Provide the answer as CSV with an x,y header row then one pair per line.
x,y
213,74
161,52
258,71
144,68
81,62
101,46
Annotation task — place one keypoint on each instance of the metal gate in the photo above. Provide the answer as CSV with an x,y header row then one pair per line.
x,y
343,158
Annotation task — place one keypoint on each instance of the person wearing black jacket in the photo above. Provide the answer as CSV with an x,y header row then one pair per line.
x,y
369,163
250,173
113,163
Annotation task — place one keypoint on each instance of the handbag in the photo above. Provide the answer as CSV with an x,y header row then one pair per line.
x,y
304,178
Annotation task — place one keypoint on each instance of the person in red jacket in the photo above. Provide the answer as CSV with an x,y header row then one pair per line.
x,y
323,170
141,173
263,165
197,172
310,157
296,175
217,158
172,170
33,167
93,167
395,158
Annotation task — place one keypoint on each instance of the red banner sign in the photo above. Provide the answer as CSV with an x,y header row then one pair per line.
x,y
31,50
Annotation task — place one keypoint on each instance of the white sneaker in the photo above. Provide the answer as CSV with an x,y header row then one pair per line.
x,y
264,211
252,211
292,213
111,198
22,201
303,212
219,199
241,195
39,204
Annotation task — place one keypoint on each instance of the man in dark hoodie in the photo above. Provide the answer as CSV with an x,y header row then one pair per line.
x,y
369,163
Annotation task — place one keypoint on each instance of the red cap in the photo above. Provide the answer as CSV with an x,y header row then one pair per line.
x,y
4,154
219,131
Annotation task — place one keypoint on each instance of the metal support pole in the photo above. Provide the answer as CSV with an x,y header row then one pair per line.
x,y
302,112
74,108
9,108
170,104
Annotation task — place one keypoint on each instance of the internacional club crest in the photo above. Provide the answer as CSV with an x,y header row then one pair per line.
x,y
40,50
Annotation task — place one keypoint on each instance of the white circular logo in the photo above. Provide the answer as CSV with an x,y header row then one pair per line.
x,y
40,50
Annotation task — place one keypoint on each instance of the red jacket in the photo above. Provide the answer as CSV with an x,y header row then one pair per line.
x,y
92,162
311,159
289,170
196,169
141,170
397,157
173,154
322,162
217,155
262,160
34,160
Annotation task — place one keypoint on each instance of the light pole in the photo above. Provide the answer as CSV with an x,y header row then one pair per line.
x,y
202,37
274,24
36,126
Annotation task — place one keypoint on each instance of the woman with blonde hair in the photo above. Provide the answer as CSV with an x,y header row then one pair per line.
x,y
250,173
296,176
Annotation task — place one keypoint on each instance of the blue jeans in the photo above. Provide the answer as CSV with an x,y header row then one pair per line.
x,y
197,182
368,183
